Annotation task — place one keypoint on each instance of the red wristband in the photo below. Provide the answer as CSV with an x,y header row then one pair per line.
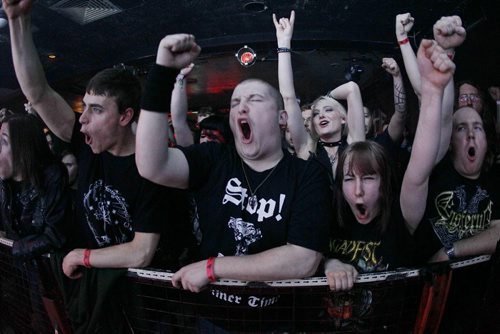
x,y
403,41
86,258
210,269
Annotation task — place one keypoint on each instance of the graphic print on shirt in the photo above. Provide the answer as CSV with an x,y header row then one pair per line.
x,y
459,218
245,234
238,195
360,253
107,215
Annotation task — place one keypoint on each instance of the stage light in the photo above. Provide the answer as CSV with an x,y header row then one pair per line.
x,y
246,56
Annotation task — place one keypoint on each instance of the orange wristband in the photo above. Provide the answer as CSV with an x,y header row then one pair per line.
x,y
86,258
210,269
403,41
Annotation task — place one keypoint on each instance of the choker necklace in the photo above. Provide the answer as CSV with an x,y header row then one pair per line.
x,y
334,144
252,200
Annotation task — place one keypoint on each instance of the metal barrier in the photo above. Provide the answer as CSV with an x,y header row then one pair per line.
x,y
416,300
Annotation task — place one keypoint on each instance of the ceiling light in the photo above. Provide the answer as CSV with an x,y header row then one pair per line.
x,y
255,6
246,56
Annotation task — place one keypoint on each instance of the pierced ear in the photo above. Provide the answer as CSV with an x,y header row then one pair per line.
x,y
127,116
283,117
343,120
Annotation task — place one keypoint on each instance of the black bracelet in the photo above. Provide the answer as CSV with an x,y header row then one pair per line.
x,y
279,50
158,89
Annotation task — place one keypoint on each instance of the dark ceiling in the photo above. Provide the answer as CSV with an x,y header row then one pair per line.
x,y
88,35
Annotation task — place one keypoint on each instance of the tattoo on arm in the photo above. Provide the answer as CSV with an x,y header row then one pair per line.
x,y
400,99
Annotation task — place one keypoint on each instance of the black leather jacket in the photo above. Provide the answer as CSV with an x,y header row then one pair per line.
x,y
44,218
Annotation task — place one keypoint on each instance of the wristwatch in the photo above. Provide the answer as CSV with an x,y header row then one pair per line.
x,y
450,251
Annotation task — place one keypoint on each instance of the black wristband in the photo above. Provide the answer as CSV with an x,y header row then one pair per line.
x,y
279,50
158,89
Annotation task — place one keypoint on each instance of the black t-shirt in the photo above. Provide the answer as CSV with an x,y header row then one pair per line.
x,y
294,202
114,201
457,208
366,248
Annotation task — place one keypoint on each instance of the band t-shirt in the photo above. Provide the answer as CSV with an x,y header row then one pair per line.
x,y
457,208
114,201
292,202
367,249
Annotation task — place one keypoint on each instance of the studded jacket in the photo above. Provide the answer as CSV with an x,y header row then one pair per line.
x,y
44,216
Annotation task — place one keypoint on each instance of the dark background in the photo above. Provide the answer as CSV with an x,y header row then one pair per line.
x,y
89,35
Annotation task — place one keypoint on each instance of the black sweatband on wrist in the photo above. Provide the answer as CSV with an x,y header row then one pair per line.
x,y
279,50
158,88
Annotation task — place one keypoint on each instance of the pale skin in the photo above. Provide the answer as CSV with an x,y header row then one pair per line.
x,y
109,131
179,109
397,122
168,166
449,34
303,143
435,69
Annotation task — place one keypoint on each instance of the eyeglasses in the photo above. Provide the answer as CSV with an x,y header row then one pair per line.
x,y
467,97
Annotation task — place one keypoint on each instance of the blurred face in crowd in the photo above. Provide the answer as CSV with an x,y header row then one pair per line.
x,y
307,116
209,135
468,142
69,160
6,161
468,96
368,120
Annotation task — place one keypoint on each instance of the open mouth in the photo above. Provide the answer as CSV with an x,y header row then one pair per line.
x,y
245,129
88,139
471,152
361,208
323,123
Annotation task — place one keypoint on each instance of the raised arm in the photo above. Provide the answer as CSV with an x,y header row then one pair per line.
x,y
404,23
449,34
355,114
302,141
155,161
436,70
52,108
179,109
398,119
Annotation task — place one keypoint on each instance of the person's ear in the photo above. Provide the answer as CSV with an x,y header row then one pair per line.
x,y
283,118
127,116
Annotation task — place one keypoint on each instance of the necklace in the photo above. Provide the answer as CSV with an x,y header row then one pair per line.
x,y
252,200
333,158
334,144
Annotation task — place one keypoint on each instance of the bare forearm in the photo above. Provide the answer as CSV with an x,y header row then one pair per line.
x,y
285,262
127,255
398,119
482,243
355,116
446,119
51,107
411,66
179,109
